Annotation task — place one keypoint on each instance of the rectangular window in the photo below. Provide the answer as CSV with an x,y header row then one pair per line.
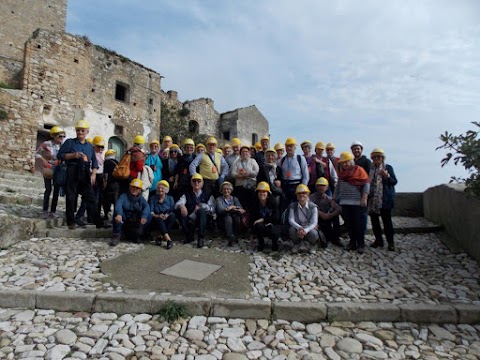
x,y
122,92
226,135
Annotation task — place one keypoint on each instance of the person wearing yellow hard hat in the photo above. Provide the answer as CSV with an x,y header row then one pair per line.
x,y
303,221
226,150
229,211
80,158
98,143
264,145
360,159
382,198
162,208
112,187
200,148
230,159
212,166
294,170
245,171
328,215
196,209
280,150
132,214
154,161
352,192
166,143
47,154
315,168
265,217
170,163
324,167
182,178
271,173
330,151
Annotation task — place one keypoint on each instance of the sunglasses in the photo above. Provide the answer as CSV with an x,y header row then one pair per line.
x,y
377,156
61,136
196,181
101,147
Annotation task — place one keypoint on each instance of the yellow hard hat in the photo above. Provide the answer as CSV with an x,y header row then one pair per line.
x,y
82,124
56,130
167,138
320,145
226,183
346,156
258,146
89,140
110,152
188,141
200,146
218,151
306,142
377,151
139,139
154,142
330,145
244,146
265,137
302,188
164,183
212,140
263,186
290,141
321,181
136,183
226,146
197,176
236,142
279,146
174,146
98,141
271,151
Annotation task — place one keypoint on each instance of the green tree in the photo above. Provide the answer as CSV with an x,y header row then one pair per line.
x,y
464,149
175,124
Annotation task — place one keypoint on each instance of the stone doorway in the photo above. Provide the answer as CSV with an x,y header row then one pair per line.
x,y
118,145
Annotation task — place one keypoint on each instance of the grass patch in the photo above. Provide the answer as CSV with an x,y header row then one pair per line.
x,y
6,86
3,114
173,311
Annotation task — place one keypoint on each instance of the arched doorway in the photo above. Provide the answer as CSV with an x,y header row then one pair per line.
x,y
118,145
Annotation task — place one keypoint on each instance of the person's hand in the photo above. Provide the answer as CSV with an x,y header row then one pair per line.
x,y
143,221
384,173
363,201
118,219
301,233
93,179
45,163
183,210
242,211
258,221
175,185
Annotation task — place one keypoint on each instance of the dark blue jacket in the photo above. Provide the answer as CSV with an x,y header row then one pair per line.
x,y
388,201
167,207
132,208
73,146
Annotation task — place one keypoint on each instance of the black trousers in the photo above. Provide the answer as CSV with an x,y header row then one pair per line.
x,y
386,215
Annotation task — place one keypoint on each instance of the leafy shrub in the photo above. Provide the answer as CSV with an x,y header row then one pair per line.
x,y
464,149
173,311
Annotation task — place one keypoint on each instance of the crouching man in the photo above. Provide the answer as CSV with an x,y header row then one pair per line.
x,y
132,214
194,206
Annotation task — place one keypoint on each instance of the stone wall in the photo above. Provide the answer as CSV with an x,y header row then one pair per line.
x,y
458,213
245,123
19,19
203,112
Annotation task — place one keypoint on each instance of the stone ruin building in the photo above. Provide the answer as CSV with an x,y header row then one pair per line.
x,y
49,77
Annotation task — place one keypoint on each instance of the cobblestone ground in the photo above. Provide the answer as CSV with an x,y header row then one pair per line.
x,y
45,334
423,270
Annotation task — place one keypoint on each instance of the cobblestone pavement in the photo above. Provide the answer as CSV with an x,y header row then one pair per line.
x,y
423,270
45,334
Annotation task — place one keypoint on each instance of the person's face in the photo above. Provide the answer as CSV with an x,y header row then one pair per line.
x,y
167,143
99,149
236,150
211,148
306,149
245,153
262,195
347,165
226,152
321,189
173,153
135,191
59,138
188,149
377,159
197,184
265,144
154,148
319,152
166,154
161,190
290,150
330,152
81,134
270,157
357,151
302,197
280,153
200,150
253,152
226,190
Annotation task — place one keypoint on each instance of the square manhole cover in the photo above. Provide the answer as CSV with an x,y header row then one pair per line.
x,y
191,270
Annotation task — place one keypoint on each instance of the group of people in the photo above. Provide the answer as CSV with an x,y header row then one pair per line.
x,y
270,192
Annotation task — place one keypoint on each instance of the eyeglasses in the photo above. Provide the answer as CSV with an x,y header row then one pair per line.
x,y
61,136
101,147
196,181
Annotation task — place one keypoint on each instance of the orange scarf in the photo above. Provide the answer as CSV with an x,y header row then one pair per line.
x,y
355,176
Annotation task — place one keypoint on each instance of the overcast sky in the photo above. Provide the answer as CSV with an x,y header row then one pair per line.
x,y
391,74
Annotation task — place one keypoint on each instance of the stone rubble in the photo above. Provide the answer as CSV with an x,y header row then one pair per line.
x,y
46,334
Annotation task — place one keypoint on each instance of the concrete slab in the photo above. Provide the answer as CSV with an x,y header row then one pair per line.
x,y
192,270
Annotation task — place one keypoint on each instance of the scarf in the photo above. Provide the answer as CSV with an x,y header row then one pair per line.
x,y
376,189
355,176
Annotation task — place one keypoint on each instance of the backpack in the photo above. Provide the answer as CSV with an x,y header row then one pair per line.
x,y
122,170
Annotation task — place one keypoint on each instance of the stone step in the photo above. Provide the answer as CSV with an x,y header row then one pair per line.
x,y
22,178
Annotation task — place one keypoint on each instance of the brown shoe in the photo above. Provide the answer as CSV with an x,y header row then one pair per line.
x,y
71,227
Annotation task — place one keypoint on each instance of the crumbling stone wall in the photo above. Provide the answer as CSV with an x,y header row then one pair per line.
x,y
245,123
203,112
19,19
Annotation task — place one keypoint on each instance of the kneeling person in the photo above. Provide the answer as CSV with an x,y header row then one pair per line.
x,y
132,213
194,207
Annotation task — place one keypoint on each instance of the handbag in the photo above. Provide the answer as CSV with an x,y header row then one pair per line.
x,y
47,173
60,174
